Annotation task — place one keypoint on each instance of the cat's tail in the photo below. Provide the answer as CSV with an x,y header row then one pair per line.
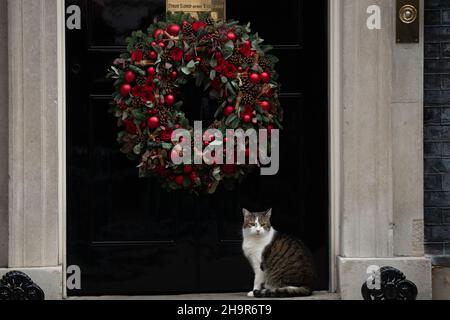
x,y
286,292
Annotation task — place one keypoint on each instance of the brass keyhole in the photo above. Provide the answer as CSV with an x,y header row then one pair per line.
x,y
408,14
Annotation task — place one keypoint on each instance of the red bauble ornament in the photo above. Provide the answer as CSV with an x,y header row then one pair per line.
x,y
125,90
265,105
231,36
153,55
130,76
153,122
169,100
228,110
179,180
173,30
247,118
188,169
265,77
255,78
158,33
151,72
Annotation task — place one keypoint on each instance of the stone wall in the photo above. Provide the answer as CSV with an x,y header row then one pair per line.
x,y
3,135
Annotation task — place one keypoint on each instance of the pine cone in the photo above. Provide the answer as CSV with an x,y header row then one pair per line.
x,y
188,32
248,61
167,86
248,87
164,115
210,21
265,63
236,59
141,81
248,99
165,57
211,36
136,102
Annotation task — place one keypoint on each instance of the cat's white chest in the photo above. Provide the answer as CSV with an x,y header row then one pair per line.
x,y
254,247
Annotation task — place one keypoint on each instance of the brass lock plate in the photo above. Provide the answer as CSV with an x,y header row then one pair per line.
x,y
408,21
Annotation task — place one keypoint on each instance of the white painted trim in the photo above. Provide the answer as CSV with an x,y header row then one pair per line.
x,y
335,121
62,137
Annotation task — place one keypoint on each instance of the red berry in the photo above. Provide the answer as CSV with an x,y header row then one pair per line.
x,y
125,90
228,110
151,72
188,169
130,76
158,33
161,44
153,55
179,180
153,122
231,36
218,55
198,59
153,44
173,30
255,78
265,105
185,23
240,69
265,77
169,100
173,75
193,176
247,118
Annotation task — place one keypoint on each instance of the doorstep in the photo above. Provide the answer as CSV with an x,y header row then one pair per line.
x,y
197,297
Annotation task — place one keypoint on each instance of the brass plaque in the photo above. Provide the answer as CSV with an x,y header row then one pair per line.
x,y
217,8
408,21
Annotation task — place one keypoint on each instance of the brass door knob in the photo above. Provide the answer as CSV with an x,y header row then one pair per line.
x,y
408,14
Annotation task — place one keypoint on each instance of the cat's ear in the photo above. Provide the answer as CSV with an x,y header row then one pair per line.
x,y
246,213
268,214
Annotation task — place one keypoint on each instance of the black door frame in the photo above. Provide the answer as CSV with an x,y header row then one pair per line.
x,y
332,23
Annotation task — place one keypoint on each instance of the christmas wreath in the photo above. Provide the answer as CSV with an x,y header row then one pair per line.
x,y
225,59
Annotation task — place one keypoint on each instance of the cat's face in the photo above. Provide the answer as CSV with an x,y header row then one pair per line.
x,y
257,223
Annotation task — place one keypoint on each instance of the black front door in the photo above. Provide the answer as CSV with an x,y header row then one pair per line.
x,y
130,237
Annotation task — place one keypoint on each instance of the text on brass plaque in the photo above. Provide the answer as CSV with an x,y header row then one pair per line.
x,y
217,8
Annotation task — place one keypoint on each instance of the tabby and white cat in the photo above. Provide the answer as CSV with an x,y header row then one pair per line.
x,y
283,265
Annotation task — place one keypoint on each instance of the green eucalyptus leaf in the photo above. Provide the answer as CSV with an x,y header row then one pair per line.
x,y
186,70
191,64
212,74
231,118
137,149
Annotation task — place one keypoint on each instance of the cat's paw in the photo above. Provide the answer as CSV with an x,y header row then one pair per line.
x,y
251,294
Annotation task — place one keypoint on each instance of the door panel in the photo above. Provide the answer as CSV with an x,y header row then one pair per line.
x,y
130,237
